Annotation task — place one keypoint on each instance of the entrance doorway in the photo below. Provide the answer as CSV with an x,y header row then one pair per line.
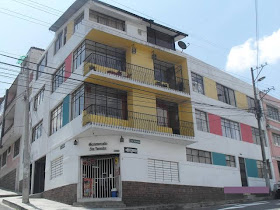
x,y
39,175
100,176
243,173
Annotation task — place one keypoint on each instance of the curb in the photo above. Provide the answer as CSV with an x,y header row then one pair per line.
x,y
13,205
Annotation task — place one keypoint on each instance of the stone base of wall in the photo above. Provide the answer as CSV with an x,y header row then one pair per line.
x,y
66,194
9,181
143,193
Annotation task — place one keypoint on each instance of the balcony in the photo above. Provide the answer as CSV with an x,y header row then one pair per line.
x,y
135,121
121,69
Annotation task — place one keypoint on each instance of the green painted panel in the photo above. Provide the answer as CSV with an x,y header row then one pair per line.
x,y
219,159
251,167
65,115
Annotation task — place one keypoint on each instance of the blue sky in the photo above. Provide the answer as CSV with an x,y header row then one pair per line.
x,y
221,32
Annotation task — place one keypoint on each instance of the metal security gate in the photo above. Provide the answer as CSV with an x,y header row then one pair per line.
x,y
100,176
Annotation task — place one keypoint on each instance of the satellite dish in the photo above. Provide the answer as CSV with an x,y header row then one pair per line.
x,y
183,45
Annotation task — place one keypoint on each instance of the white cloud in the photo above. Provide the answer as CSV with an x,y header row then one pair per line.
x,y
242,57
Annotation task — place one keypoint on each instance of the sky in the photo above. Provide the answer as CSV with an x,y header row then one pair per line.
x,y
221,33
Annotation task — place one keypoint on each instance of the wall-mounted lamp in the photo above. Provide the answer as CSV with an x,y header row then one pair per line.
x,y
121,139
75,142
133,49
154,56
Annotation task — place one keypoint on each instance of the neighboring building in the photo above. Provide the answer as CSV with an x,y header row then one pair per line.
x,y
114,107
12,125
271,108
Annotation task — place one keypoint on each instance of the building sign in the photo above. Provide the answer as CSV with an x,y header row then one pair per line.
x,y
130,150
134,141
97,146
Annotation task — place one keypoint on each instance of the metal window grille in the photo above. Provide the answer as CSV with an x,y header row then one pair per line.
x,y
165,171
58,42
198,156
201,120
56,118
256,136
230,129
37,131
58,77
78,102
79,55
276,139
107,20
39,98
230,160
251,104
57,167
16,147
160,39
4,158
226,95
197,83
273,113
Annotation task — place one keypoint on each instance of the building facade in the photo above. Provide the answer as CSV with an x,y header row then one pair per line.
x,y
118,114
271,113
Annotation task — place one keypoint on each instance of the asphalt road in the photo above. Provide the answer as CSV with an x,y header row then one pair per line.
x,y
4,207
258,205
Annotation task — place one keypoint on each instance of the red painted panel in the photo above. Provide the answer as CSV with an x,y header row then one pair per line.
x,y
215,124
68,67
246,133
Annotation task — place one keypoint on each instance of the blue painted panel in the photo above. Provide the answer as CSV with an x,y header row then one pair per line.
x,y
65,115
219,159
251,167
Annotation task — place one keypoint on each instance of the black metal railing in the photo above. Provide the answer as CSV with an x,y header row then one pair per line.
x,y
142,121
118,67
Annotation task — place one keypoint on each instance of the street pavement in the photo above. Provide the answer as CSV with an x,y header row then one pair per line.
x,y
257,205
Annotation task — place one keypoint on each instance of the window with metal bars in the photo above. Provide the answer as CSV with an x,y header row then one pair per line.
x,y
160,38
38,99
164,171
276,139
201,120
101,100
199,156
256,136
107,20
37,131
56,118
79,55
78,22
230,129
197,83
4,158
58,42
164,73
78,100
58,77
16,147
230,161
226,95
251,105
41,66
273,113
57,167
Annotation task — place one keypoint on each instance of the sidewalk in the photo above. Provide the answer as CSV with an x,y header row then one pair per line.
x,y
8,193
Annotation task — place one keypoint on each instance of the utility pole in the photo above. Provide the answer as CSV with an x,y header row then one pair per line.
x,y
258,116
26,154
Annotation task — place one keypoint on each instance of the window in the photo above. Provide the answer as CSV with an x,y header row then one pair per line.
x,y
78,102
4,158
197,83
106,20
161,170
105,101
39,98
276,139
260,168
273,113
16,147
251,105
230,129
105,55
78,22
58,42
64,35
41,66
79,55
9,150
37,131
164,73
57,167
56,118
226,95
160,39
230,160
58,77
199,156
201,121
256,136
